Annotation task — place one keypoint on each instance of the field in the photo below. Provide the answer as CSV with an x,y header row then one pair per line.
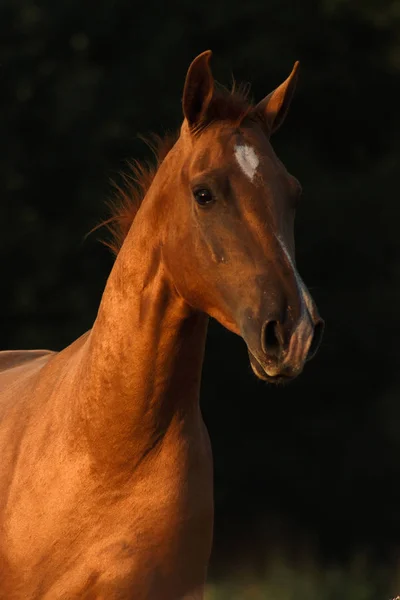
x,y
359,581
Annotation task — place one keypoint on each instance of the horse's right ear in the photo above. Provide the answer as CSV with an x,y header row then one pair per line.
x,y
198,90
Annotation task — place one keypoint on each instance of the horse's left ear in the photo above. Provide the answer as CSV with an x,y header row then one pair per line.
x,y
274,107
198,90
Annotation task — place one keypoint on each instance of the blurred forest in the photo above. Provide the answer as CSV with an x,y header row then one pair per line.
x,y
314,466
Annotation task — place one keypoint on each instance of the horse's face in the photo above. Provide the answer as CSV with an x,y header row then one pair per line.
x,y
234,240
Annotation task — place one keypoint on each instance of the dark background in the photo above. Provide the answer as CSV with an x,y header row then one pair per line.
x,y
315,464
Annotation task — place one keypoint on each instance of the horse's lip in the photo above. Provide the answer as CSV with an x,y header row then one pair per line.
x,y
261,371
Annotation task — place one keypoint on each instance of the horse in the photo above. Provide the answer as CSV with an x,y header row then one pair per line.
x,y
106,474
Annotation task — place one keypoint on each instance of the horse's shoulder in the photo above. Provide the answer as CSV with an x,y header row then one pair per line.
x,y
15,358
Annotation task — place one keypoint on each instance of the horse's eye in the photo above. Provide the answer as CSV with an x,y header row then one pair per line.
x,y
203,196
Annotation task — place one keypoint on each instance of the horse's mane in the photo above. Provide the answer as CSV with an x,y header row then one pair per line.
x,y
129,194
228,106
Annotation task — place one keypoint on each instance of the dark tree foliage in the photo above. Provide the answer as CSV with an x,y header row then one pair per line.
x,y
319,459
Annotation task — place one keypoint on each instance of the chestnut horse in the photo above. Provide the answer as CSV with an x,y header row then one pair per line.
x,y
106,467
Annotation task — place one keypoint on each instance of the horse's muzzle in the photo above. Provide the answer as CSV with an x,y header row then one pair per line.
x,y
279,357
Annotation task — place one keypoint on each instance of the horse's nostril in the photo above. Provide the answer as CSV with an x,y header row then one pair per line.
x,y
316,341
271,338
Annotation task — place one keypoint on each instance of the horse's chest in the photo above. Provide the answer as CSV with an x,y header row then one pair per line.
x,y
158,537
95,537
168,513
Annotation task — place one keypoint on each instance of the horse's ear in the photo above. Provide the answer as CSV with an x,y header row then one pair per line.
x,y
198,90
274,107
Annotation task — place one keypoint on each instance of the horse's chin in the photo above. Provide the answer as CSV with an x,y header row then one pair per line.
x,y
262,374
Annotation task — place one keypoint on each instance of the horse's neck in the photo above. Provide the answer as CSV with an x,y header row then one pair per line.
x,y
142,369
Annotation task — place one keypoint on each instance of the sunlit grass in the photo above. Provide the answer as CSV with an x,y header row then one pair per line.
x,y
359,581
